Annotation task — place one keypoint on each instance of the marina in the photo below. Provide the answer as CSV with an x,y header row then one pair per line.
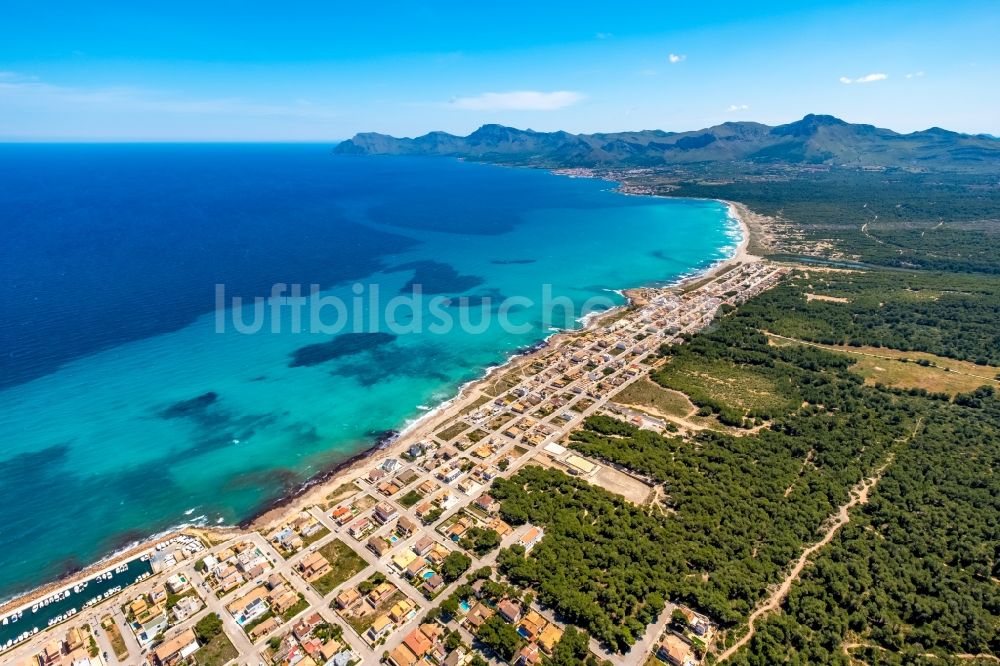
x,y
62,605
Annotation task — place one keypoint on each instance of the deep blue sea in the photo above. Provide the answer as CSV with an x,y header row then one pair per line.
x,y
125,408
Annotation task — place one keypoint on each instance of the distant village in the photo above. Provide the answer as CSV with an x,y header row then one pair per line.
x,y
397,565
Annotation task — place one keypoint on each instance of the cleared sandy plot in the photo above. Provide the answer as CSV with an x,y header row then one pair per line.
x,y
619,483
829,299
341,493
508,380
606,477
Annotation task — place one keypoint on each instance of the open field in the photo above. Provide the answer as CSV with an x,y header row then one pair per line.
x,y
474,405
723,383
452,431
342,492
344,563
409,499
665,402
216,652
909,369
902,374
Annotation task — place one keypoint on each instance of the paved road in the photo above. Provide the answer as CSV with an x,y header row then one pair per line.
x,y
104,645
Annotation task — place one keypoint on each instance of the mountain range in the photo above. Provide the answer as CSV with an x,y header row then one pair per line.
x,y
815,139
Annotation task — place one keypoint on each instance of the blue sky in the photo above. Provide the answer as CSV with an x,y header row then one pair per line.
x,y
223,71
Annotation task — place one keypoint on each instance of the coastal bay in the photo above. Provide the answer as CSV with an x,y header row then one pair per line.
x,y
190,426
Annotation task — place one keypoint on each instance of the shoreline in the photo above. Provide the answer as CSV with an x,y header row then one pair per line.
x,y
315,489
741,253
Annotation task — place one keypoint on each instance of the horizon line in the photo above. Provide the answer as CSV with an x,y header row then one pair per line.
x,y
105,141
230,140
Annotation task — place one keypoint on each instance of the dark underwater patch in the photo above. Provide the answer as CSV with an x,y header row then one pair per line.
x,y
342,345
26,470
504,262
222,429
391,362
663,256
67,567
493,296
435,277
277,481
215,426
192,407
304,433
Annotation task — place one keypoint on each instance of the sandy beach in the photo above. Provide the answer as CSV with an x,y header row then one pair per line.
x,y
315,490
435,420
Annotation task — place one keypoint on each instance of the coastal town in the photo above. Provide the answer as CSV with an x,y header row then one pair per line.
x,y
394,561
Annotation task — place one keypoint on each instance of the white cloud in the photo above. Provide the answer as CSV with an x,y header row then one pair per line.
x,y
914,75
867,78
737,107
674,58
521,100
604,35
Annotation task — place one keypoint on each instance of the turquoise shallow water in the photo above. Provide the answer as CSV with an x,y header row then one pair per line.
x,y
171,421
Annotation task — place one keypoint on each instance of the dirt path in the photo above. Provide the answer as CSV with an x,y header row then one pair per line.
x,y
971,657
859,495
847,647
802,468
686,421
